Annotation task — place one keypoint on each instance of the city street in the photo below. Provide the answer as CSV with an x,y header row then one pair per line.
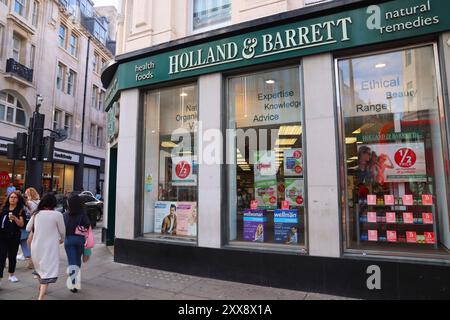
x,y
102,279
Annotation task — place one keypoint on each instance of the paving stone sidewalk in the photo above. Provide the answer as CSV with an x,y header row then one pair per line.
x,y
103,279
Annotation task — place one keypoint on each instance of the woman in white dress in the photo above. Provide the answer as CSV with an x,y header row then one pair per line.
x,y
48,234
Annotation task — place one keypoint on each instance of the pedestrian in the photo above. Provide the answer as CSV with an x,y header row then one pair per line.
x,y
75,218
49,232
11,188
32,199
11,220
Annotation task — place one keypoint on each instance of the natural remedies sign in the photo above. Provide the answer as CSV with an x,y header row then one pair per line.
x,y
387,21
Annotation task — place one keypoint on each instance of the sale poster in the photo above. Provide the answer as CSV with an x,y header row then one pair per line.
x,y
286,226
411,237
186,219
427,218
373,235
162,210
408,218
391,236
389,200
427,200
372,217
4,179
371,200
183,172
254,225
408,200
430,238
294,192
391,217
397,162
293,162
266,194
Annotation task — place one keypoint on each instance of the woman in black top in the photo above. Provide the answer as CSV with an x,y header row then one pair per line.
x,y
74,244
12,219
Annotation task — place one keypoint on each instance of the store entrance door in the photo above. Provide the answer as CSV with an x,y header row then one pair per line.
x,y
112,182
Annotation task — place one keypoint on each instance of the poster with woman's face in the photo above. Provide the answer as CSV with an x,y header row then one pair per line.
x,y
393,162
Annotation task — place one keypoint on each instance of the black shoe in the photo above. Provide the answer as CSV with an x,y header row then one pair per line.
x,y
74,290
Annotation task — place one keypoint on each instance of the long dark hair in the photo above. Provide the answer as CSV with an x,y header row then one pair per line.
x,y
47,202
20,202
76,206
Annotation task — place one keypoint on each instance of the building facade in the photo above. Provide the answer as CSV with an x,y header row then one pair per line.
x,y
55,49
298,144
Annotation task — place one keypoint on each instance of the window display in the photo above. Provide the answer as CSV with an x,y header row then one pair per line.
x,y
171,166
266,173
396,196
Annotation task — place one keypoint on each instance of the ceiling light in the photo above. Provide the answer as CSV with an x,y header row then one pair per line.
x,y
350,140
285,142
168,144
380,65
184,94
358,131
290,131
270,81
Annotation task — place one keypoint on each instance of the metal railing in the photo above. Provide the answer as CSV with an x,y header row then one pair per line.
x,y
14,67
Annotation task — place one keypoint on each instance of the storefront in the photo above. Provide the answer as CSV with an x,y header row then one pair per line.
x,y
62,175
303,153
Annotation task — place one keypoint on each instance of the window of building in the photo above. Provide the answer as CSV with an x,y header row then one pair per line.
x,y
101,100
17,47
62,36
266,173
94,102
395,171
5,2
35,16
171,165
92,134
19,7
209,14
57,119
95,62
71,80
32,55
68,124
73,46
60,77
11,110
60,179
99,140
2,39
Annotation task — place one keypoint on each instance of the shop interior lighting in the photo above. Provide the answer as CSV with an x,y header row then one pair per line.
x,y
183,94
353,158
380,65
290,131
285,142
168,144
282,149
270,81
350,140
358,131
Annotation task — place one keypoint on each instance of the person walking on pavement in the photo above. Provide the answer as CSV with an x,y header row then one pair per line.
x,y
12,219
32,199
49,232
74,244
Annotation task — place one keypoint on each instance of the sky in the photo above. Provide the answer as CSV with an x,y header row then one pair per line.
x,y
107,3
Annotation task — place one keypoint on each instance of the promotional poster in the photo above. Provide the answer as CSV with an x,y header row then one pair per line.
x,y
254,225
186,217
293,162
294,192
286,226
394,162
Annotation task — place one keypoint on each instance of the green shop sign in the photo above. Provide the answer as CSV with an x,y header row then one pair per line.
x,y
393,20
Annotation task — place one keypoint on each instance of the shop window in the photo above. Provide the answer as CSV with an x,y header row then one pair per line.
x,y
171,165
11,110
395,186
266,174
11,172
58,178
209,14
